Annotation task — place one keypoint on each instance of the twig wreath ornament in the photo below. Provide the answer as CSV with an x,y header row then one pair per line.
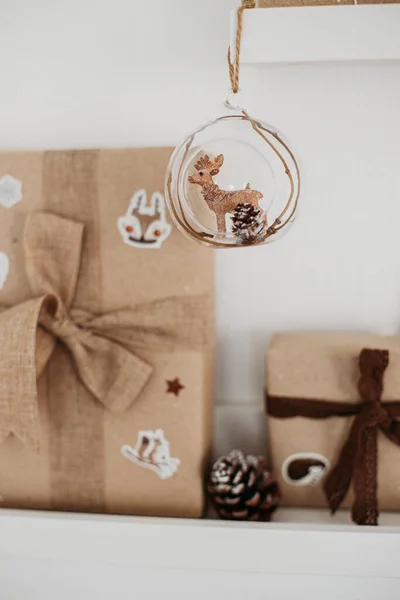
x,y
235,181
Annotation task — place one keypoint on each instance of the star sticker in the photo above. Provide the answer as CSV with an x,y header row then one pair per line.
x,y
174,386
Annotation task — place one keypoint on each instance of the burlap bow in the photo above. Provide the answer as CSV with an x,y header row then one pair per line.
x,y
101,347
357,460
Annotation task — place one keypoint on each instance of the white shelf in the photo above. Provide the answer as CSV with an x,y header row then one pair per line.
x,y
320,34
201,545
64,556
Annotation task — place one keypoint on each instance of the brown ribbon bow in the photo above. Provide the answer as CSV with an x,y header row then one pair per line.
x,y
358,457
101,347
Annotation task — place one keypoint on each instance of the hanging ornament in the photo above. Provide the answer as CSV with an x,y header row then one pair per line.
x,y
235,181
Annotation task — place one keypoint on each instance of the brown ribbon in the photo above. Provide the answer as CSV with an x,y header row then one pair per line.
x,y
101,347
357,460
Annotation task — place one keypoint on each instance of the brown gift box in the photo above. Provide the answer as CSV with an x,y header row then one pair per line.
x,y
102,372
283,3
328,431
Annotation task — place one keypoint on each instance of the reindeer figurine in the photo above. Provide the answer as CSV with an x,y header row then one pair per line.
x,y
221,202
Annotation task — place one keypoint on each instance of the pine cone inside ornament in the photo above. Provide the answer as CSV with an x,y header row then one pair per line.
x,y
248,223
241,488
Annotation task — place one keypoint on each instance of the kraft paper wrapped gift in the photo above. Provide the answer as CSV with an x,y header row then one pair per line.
x,y
333,401
106,336
283,3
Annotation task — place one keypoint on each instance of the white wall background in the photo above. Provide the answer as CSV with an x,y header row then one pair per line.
x,y
88,73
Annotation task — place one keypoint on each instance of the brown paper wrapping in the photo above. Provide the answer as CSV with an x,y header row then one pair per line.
x,y
80,466
325,366
285,3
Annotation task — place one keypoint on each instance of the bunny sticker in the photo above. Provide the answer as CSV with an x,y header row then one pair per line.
x,y
152,452
145,226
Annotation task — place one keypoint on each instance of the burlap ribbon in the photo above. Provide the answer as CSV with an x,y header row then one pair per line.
x,y
101,347
357,460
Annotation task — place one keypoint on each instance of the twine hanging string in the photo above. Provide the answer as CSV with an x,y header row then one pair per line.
x,y
234,67
177,201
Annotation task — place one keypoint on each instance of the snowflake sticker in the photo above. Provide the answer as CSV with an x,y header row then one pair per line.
x,y
4,269
10,191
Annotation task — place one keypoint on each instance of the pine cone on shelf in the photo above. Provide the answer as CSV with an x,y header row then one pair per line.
x,y
248,223
241,488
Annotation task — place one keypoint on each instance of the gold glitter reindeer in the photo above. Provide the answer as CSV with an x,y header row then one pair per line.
x,y
221,202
